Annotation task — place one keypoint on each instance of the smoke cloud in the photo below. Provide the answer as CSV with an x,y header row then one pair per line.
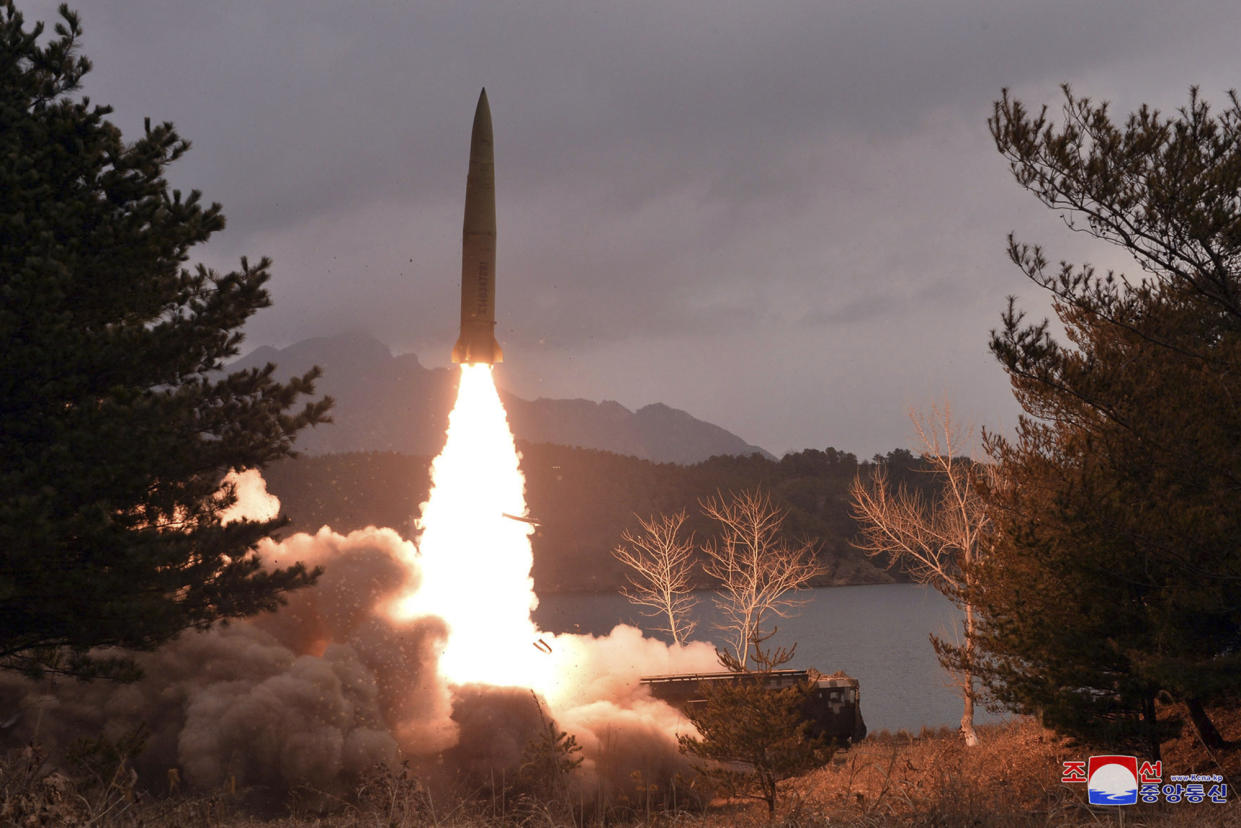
x,y
253,502
330,686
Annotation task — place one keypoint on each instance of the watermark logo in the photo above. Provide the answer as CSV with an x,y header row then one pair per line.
x,y
1121,780
1112,780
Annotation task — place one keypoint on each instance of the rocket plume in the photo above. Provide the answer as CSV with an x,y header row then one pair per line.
x,y
474,559
474,553
396,652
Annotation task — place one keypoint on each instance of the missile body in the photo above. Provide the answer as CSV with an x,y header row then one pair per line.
x,y
477,342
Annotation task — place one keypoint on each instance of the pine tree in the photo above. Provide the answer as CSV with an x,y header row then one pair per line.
x,y
116,422
752,736
1116,581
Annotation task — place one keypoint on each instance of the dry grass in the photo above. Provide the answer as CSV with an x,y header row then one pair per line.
x,y
1012,778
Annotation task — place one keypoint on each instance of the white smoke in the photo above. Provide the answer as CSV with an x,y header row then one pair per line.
x,y
253,500
330,685
322,689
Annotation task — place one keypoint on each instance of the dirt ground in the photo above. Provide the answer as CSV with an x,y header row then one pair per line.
x,y
1011,778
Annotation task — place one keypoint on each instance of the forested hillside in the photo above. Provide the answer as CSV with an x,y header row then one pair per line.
x,y
583,500
384,402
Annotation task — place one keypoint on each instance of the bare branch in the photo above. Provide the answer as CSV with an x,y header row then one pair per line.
x,y
937,542
661,566
756,568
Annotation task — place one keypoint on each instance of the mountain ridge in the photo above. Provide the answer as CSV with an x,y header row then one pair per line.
x,y
391,402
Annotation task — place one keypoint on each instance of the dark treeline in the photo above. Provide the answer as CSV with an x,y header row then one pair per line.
x,y
583,499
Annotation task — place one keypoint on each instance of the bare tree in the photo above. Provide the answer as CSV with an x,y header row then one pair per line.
x,y
661,566
938,542
757,569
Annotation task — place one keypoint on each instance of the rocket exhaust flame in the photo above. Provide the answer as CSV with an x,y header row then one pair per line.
x,y
474,559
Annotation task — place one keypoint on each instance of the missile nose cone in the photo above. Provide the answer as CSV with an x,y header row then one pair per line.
x,y
477,342
481,134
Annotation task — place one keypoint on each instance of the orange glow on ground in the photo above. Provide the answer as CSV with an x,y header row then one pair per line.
x,y
474,561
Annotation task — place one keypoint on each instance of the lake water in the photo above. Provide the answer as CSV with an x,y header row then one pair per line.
x,y
877,634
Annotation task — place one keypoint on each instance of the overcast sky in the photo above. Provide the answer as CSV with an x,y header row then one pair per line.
x,y
787,218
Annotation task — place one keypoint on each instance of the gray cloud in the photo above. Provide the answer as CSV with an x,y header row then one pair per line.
x,y
705,174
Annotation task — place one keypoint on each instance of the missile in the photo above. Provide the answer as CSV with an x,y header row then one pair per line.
x,y
477,342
